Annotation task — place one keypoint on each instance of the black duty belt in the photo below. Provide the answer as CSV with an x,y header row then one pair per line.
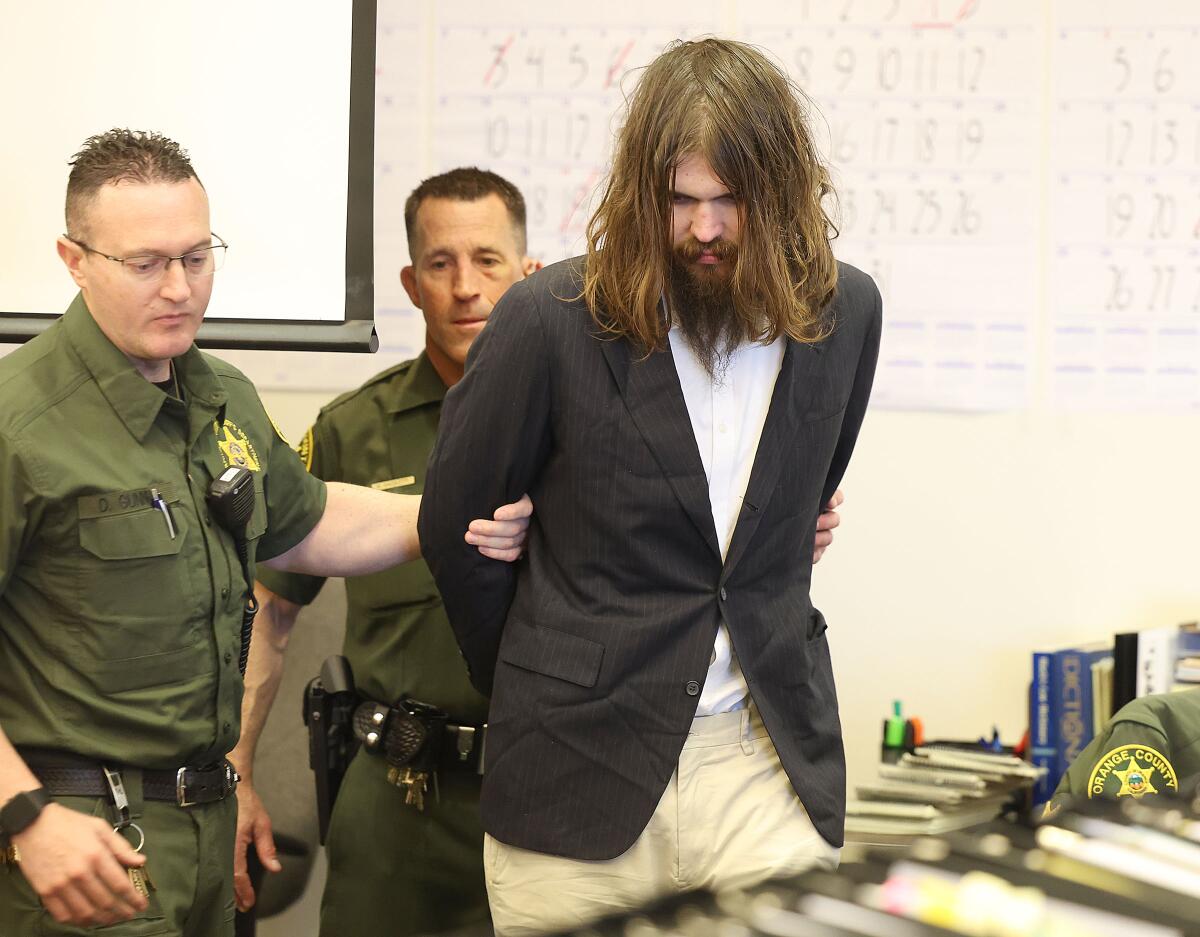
x,y
67,775
416,733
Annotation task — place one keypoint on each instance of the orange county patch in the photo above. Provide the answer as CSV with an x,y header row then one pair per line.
x,y
1132,771
236,448
305,449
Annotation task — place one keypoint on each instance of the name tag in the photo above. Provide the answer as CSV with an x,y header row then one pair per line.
x,y
394,483
123,502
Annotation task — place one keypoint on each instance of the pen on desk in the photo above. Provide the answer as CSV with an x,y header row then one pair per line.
x,y
157,500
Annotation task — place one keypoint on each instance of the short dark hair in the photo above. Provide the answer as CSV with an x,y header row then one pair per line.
x,y
468,184
121,155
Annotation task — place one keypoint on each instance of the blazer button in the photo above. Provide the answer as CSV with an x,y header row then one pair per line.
x,y
722,594
693,688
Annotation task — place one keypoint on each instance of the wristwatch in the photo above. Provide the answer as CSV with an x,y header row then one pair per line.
x,y
22,810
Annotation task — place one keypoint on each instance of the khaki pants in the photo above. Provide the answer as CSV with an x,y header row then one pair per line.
x,y
729,818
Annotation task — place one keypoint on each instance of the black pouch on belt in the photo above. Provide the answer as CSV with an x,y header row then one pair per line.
x,y
409,736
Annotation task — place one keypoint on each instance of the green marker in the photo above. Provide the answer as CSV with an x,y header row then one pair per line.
x,y
893,729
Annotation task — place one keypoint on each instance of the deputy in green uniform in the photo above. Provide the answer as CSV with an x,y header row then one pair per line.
x,y
122,589
1151,746
466,234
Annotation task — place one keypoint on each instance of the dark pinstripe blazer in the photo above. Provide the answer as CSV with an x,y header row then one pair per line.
x,y
595,648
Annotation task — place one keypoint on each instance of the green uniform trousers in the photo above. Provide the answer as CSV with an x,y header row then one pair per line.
x,y
188,857
394,870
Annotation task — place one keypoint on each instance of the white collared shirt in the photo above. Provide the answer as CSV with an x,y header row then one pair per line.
x,y
727,419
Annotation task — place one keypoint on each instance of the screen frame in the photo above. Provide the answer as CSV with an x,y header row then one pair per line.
x,y
356,333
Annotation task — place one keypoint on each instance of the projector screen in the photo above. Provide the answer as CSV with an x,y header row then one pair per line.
x,y
262,102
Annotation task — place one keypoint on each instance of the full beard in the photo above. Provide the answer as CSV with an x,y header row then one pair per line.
x,y
702,303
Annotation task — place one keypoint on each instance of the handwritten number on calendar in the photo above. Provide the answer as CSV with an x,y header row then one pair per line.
x,y
843,63
967,218
497,72
1157,222
925,74
1120,135
889,71
1164,74
578,127
1124,69
1120,214
497,137
538,216
970,68
929,212
822,70
883,147
535,59
803,57
1151,288
843,148
1161,79
1162,223
926,139
1120,296
970,140
883,216
1163,286
578,64
1164,144
847,210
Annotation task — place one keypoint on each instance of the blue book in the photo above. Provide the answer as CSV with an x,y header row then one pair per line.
x,y
1043,732
1072,683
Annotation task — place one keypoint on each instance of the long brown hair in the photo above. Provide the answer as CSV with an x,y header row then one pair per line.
x,y
724,101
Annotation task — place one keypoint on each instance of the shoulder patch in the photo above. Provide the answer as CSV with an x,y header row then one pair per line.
x,y
305,450
275,426
1132,771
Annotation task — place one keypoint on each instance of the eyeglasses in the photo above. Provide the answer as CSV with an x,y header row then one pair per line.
x,y
201,262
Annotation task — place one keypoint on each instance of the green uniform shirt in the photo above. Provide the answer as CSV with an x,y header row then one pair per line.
x,y
398,640
1151,746
117,639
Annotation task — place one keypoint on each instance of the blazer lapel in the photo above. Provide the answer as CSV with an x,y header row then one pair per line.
x,y
650,388
792,397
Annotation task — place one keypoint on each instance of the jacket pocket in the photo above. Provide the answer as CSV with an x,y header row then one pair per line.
x,y
552,653
816,626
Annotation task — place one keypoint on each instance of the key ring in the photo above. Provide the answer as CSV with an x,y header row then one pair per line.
x,y
141,833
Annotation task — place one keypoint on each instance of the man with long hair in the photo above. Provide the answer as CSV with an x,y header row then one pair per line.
x,y
679,403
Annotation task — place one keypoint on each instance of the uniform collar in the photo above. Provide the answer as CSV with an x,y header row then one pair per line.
x,y
421,385
133,398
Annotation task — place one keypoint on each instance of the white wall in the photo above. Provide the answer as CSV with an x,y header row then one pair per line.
x,y
968,539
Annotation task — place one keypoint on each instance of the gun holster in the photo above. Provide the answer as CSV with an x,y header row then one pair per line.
x,y
329,703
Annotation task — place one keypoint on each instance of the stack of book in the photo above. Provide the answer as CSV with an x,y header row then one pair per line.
x,y
1187,656
1075,691
934,790
1155,660
1070,701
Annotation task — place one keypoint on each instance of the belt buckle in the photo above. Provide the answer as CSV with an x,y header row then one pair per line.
x,y
228,784
181,788
469,740
465,741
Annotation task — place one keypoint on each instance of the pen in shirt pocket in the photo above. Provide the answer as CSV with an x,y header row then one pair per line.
x,y
160,503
